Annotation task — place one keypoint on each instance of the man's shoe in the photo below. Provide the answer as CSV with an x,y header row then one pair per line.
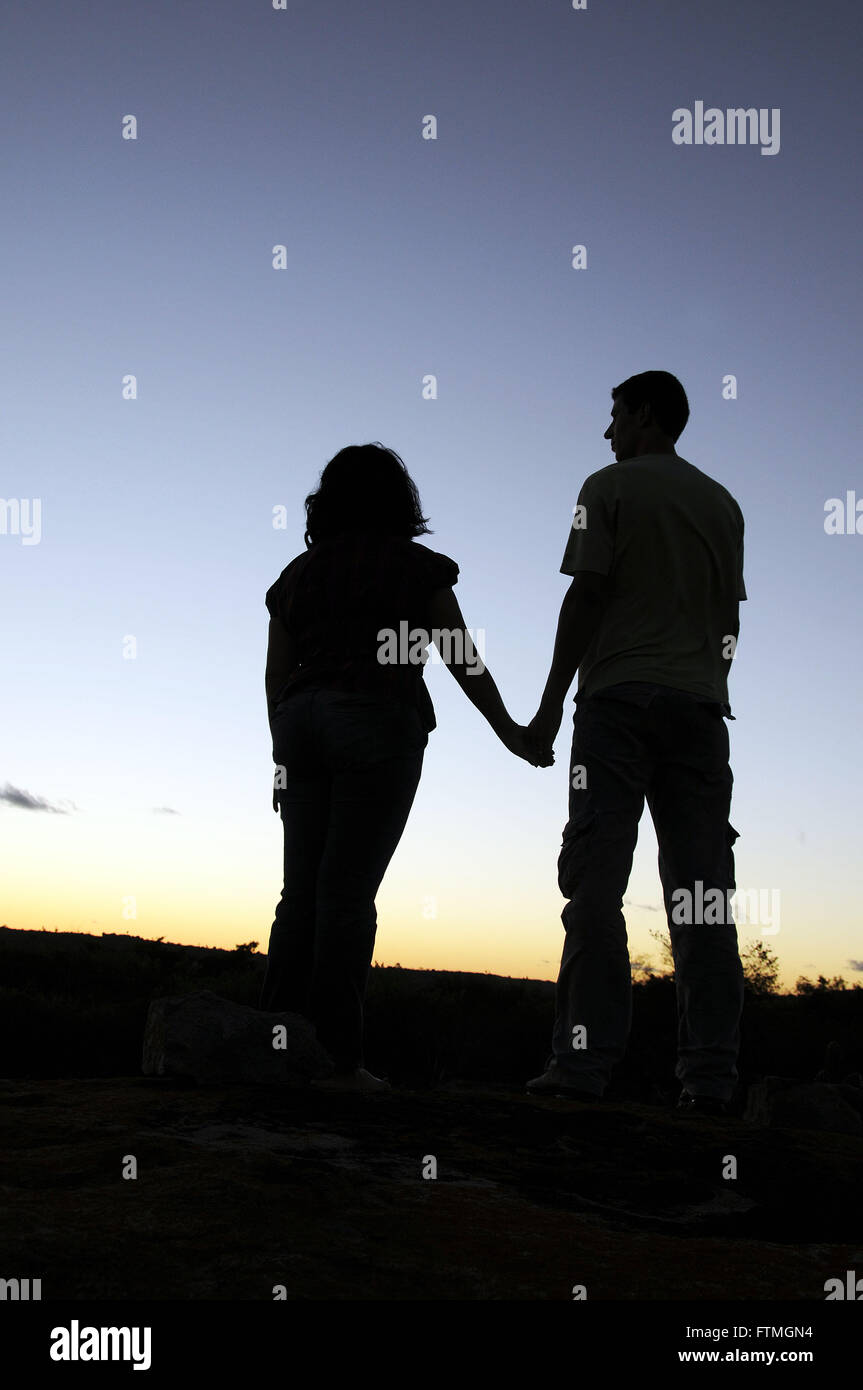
x,y
550,1085
357,1080
701,1105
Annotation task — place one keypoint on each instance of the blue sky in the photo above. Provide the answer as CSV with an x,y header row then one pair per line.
x,y
143,786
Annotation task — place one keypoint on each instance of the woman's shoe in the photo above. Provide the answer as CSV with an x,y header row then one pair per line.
x,y
701,1105
357,1080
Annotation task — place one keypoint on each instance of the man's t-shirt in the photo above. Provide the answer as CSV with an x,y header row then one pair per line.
x,y
335,598
670,540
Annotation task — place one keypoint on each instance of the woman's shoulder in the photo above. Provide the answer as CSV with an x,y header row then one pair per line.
x,y
390,557
288,573
436,568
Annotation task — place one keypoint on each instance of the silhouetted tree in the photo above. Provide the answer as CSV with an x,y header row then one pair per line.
x,y
760,964
760,968
641,969
806,986
666,958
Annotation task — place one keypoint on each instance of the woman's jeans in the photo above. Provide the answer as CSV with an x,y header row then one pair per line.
x,y
352,766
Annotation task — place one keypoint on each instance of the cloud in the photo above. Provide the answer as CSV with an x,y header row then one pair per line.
x,y
855,964
25,801
165,811
646,907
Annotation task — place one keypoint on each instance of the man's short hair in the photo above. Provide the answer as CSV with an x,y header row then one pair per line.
x,y
665,396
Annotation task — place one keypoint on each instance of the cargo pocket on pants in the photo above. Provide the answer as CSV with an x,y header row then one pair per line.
x,y
731,836
574,853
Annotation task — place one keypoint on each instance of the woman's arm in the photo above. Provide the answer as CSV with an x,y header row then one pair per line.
x,y
472,675
281,661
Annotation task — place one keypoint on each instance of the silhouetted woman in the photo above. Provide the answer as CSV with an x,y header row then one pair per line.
x,y
350,725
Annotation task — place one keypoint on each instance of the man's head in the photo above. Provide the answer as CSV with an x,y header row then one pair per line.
x,y
648,415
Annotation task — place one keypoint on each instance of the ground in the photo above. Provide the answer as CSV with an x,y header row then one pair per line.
x,y
241,1190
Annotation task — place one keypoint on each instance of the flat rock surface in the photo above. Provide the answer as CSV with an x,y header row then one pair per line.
x,y
242,1189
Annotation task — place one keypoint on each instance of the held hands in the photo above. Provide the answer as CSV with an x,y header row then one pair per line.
x,y
542,729
526,744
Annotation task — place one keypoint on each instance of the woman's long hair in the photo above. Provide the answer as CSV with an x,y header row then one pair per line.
x,y
364,487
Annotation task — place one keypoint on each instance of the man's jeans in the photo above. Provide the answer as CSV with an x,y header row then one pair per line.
x,y
353,765
675,753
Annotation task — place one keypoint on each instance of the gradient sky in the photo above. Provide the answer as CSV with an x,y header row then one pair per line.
x,y
150,779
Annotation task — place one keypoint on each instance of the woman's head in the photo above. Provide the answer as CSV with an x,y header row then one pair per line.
x,y
364,487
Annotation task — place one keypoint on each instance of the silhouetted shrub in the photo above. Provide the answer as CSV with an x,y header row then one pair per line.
x,y
75,1005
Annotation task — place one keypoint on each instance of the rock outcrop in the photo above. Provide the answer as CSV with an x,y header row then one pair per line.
x,y
213,1041
783,1102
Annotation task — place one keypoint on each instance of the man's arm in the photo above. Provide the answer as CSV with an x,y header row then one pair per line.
x,y
281,661
580,616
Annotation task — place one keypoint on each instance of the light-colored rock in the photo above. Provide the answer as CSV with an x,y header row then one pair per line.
x,y
781,1102
214,1041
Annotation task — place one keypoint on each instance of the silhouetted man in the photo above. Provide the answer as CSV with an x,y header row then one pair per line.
x,y
650,622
